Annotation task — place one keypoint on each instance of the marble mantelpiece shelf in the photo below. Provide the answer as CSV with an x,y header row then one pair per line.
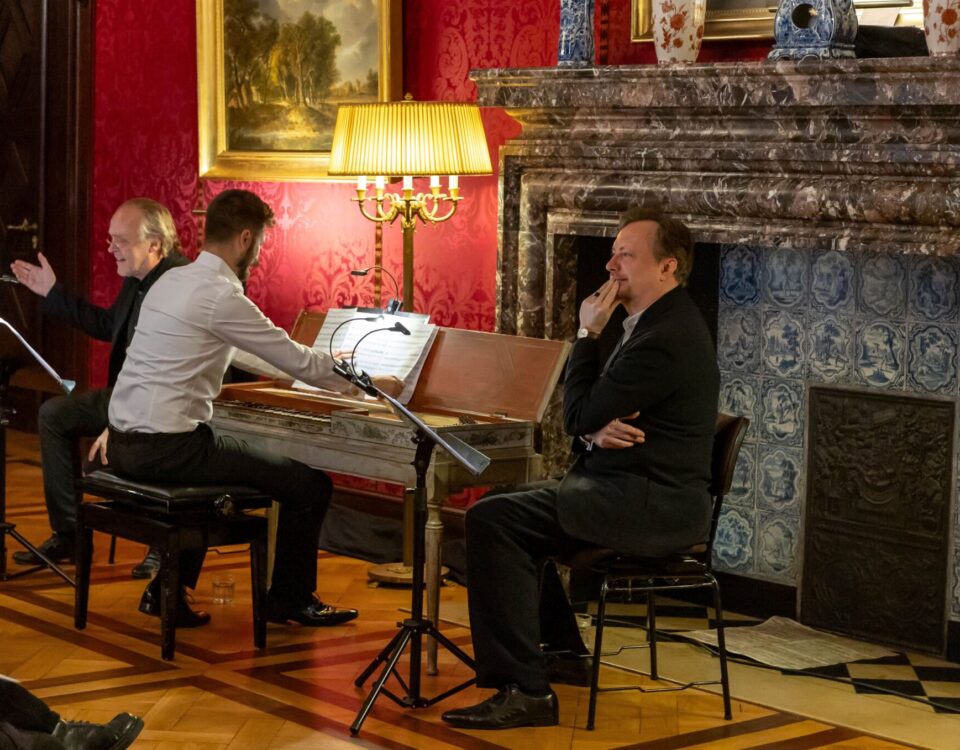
x,y
840,83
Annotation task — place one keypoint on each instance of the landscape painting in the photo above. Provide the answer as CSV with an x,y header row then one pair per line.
x,y
273,72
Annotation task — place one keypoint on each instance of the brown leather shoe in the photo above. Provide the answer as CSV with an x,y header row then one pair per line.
x,y
186,617
508,708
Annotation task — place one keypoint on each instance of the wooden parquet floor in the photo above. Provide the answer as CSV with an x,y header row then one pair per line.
x,y
219,693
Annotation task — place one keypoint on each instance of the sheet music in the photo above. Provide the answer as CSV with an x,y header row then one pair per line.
x,y
384,352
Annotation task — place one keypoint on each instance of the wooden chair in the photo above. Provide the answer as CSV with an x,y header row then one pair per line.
x,y
686,569
172,518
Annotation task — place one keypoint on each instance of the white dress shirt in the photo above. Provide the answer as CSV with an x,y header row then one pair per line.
x,y
194,322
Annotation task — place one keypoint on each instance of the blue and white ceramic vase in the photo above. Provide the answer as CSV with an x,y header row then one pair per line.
x,y
576,33
821,29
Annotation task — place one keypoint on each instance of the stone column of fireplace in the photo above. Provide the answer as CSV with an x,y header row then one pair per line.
x,y
849,165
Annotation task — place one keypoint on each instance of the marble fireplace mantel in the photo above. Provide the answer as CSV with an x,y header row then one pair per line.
x,y
850,155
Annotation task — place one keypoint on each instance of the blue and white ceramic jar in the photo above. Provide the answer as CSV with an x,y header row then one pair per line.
x,y
821,29
576,33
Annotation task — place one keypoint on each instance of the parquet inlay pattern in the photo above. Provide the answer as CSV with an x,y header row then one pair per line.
x,y
299,692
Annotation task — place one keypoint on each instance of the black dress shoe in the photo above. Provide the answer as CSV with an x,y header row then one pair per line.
x,y
510,707
58,548
316,614
149,567
570,669
116,734
186,617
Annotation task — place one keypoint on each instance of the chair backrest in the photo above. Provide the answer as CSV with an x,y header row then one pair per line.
x,y
727,439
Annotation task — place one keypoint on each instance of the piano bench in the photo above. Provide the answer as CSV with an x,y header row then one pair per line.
x,y
172,518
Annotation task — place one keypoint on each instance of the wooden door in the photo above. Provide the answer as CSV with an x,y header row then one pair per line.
x,y
45,74
21,36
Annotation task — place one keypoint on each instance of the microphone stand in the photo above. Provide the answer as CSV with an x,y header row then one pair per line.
x,y
14,351
414,629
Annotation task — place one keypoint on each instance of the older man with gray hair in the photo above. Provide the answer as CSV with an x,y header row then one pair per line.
x,y
143,241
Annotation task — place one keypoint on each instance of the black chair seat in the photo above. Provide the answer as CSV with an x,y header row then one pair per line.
x,y
602,559
172,518
221,500
684,569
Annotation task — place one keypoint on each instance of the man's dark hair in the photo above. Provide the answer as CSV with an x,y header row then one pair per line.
x,y
673,239
231,212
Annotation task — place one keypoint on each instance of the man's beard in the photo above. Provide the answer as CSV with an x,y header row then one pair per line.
x,y
248,261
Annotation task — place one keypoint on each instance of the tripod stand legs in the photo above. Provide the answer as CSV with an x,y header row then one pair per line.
x,y
9,528
411,633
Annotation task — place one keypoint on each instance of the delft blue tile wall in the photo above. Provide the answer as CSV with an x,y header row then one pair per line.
x,y
789,318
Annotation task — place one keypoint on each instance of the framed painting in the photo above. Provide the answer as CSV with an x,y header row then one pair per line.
x,y
270,74
753,19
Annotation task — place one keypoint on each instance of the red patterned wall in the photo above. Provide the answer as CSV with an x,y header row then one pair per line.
x,y
145,143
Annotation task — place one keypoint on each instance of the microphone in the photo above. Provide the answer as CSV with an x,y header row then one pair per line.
x,y
346,370
394,305
367,319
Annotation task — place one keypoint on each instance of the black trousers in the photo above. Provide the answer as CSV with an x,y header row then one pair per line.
x,y
60,422
23,710
203,457
518,608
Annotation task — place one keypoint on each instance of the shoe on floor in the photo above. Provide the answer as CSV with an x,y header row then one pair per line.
x,y
316,614
186,617
59,548
569,669
149,567
117,734
508,708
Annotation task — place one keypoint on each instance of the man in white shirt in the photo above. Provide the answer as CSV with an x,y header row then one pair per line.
x,y
194,322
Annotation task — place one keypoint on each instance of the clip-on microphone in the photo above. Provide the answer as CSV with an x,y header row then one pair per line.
x,y
346,370
394,305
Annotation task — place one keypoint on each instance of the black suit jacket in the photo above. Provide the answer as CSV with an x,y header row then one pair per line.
x,y
651,498
110,323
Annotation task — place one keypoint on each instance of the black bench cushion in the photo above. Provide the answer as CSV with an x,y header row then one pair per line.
x,y
172,498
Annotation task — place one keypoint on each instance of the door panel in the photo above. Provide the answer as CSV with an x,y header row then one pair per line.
x,y
21,46
45,80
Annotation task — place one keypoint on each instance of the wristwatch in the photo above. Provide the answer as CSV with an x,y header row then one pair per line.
x,y
586,333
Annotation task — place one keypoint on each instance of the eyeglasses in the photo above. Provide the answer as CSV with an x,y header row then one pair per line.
x,y
118,243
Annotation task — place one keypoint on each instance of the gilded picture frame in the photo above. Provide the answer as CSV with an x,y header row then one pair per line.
x,y
269,161
753,19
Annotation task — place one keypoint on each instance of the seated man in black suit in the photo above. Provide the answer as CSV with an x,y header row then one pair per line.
x,y
144,243
644,422
26,721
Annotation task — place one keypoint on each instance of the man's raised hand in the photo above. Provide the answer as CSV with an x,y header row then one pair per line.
x,y
38,279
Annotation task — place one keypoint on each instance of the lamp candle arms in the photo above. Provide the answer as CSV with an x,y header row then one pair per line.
x,y
408,207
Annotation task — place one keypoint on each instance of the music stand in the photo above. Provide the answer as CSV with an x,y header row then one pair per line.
x,y
416,627
15,353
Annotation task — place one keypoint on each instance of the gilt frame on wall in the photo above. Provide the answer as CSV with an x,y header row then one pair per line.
x,y
267,156
753,19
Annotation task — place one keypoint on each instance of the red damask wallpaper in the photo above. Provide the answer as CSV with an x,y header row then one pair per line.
x,y
145,143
